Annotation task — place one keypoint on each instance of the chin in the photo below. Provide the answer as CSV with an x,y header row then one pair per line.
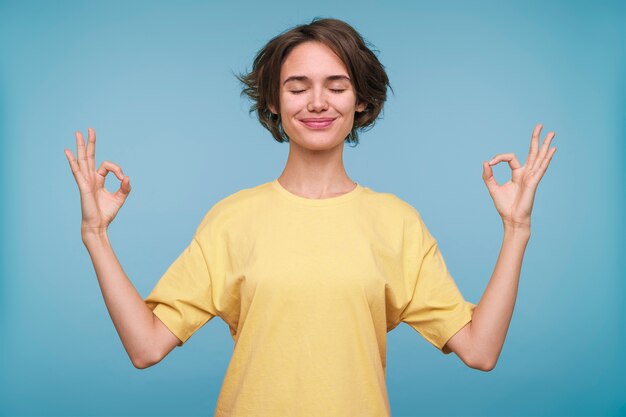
x,y
319,143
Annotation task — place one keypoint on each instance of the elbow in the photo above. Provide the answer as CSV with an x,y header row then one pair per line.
x,y
143,362
485,366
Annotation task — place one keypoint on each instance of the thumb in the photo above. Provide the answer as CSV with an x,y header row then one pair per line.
x,y
124,188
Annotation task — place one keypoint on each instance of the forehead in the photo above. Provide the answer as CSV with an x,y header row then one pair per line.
x,y
314,60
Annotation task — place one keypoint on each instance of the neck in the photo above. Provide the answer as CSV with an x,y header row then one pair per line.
x,y
315,173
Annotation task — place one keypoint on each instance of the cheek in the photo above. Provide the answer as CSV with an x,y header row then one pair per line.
x,y
292,105
347,104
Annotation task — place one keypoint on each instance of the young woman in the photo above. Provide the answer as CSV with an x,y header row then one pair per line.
x,y
311,270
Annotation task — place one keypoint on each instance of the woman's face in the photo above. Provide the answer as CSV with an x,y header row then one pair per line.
x,y
317,100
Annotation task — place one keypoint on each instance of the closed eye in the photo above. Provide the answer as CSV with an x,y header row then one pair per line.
x,y
334,90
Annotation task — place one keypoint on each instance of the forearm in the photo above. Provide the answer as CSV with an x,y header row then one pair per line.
x,y
132,318
492,315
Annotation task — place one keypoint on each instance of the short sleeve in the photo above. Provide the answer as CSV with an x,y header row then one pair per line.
x,y
182,298
436,309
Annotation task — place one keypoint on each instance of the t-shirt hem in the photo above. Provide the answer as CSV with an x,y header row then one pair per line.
x,y
460,322
166,316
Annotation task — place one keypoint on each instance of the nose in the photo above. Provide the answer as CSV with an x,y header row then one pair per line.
x,y
317,101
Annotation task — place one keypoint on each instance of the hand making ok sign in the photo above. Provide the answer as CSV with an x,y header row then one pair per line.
x,y
514,199
99,206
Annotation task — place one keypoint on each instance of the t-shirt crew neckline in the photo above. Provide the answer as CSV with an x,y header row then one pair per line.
x,y
317,202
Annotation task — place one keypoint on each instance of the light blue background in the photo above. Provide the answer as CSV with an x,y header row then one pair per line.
x,y
471,80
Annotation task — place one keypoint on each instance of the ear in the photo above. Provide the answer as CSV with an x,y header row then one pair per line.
x,y
361,107
272,109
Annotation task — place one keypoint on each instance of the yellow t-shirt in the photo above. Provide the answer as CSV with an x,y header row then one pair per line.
x,y
309,289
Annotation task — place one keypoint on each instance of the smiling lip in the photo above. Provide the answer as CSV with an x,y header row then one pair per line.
x,y
317,123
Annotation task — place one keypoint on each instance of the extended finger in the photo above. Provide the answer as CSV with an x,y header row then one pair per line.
x,y
91,150
534,145
108,166
544,150
82,157
546,161
74,167
508,157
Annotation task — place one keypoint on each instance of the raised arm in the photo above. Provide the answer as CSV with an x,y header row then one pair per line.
x,y
480,342
144,337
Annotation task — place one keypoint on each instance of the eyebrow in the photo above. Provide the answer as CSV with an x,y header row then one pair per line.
x,y
305,78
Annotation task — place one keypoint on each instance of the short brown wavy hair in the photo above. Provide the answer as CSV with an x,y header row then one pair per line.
x,y
369,79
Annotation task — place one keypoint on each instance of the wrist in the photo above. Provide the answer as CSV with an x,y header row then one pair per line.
x,y
521,230
516,224
93,234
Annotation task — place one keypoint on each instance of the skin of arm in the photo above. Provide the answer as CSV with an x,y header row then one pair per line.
x,y
133,320
146,339
480,342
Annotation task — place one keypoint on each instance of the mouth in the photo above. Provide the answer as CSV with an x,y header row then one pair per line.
x,y
317,123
